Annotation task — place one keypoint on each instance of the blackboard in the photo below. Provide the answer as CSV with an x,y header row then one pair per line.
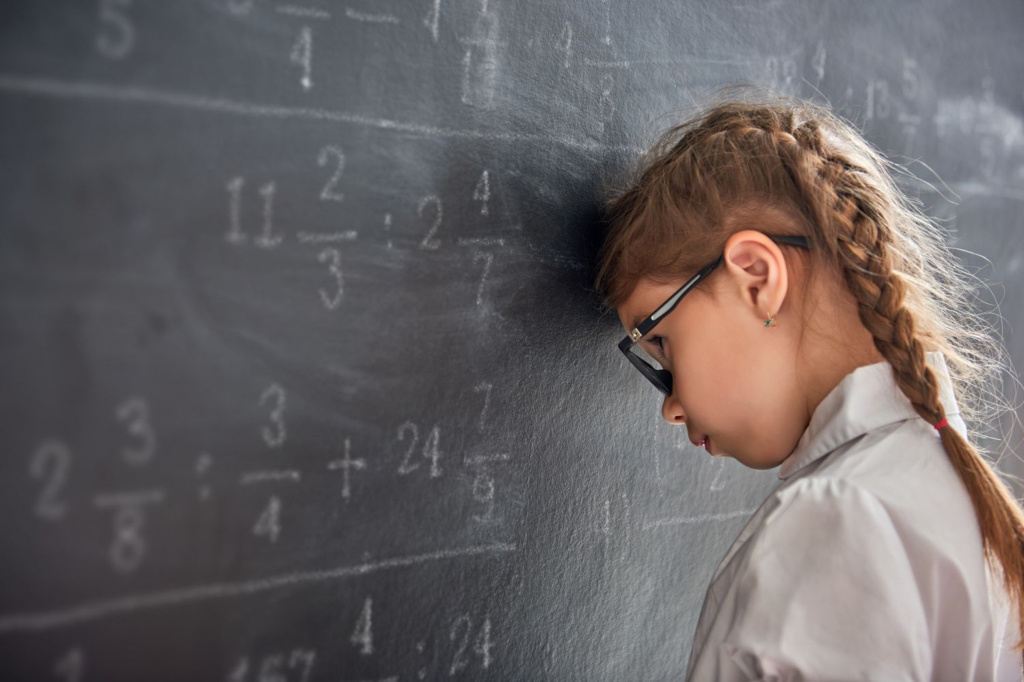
x,y
301,374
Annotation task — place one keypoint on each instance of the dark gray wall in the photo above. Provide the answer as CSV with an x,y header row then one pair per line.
x,y
300,378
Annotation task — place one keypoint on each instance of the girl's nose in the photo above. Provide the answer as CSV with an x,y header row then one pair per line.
x,y
672,410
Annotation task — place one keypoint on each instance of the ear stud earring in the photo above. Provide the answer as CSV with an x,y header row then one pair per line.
x,y
770,322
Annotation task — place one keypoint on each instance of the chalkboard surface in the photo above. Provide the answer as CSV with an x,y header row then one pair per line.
x,y
301,377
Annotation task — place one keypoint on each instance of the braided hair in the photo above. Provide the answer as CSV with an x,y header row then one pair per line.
x,y
751,156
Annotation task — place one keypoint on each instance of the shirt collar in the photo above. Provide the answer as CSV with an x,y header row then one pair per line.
x,y
866,399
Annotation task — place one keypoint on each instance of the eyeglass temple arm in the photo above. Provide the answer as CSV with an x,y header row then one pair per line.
x,y
653,319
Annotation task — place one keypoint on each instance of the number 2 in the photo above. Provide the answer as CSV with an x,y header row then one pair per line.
x,y
329,192
51,459
429,242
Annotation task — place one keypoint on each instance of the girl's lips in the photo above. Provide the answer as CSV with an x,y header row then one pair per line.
x,y
705,443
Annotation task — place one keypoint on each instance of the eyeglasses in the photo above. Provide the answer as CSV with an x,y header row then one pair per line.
x,y
662,378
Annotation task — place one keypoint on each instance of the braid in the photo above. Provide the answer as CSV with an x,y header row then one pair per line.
x,y
862,240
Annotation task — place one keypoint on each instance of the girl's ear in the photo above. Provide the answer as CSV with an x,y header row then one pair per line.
x,y
757,268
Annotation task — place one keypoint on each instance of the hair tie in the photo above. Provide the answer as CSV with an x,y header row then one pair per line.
x,y
940,424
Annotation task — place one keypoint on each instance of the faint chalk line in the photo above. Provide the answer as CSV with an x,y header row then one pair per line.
x,y
304,12
48,620
250,477
678,520
140,95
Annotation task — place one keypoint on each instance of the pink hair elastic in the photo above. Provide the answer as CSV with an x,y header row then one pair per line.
x,y
940,424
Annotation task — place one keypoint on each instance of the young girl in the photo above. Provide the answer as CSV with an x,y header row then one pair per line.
x,y
799,312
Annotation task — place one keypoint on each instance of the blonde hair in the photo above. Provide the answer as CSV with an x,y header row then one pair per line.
x,y
720,169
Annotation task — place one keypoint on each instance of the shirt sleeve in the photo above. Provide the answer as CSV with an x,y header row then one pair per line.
x,y
828,593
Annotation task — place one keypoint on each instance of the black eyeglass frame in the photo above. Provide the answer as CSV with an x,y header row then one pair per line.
x,y
662,378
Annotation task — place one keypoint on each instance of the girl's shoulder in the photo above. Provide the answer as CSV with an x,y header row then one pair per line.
x,y
829,560
906,470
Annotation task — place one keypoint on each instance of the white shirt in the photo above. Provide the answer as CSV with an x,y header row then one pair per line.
x,y
866,563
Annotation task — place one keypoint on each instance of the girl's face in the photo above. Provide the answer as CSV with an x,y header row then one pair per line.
x,y
734,380
751,389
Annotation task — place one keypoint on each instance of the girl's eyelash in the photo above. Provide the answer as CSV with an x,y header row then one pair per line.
x,y
657,341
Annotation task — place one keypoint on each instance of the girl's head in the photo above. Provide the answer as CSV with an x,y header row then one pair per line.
x,y
876,283
747,388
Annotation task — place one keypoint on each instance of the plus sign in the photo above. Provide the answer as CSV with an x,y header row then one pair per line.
x,y
346,463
